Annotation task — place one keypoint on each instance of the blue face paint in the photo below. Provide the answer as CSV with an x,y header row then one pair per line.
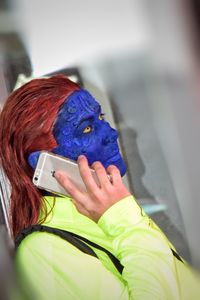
x,y
80,128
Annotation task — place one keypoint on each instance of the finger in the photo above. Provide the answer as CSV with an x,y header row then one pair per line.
x,y
114,172
86,174
101,174
68,185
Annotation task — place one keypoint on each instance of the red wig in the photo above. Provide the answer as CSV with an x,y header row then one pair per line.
x,y
26,123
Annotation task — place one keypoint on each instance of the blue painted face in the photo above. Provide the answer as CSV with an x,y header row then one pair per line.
x,y
80,128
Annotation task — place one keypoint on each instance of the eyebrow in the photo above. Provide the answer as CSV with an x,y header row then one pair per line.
x,y
89,117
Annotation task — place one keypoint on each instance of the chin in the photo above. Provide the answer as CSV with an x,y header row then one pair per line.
x,y
120,164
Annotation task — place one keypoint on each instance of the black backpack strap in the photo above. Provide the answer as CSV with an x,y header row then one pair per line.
x,y
61,233
176,255
115,261
74,239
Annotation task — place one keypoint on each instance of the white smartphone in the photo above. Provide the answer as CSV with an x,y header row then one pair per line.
x,y
48,163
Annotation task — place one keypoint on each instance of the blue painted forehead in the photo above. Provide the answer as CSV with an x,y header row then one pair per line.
x,y
77,106
77,103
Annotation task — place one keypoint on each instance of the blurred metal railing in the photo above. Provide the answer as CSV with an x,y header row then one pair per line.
x,y
5,200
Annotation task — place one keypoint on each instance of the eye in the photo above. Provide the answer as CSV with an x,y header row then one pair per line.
x,y
101,117
87,129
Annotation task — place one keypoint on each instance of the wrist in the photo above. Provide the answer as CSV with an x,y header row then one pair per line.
x,y
126,211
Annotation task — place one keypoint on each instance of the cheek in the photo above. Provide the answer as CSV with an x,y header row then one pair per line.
x,y
90,142
90,146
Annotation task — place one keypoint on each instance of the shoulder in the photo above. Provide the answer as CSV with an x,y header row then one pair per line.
x,y
43,244
43,253
53,267
51,249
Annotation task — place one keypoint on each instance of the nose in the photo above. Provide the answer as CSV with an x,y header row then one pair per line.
x,y
111,135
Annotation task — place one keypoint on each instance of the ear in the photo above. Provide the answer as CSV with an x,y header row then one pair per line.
x,y
33,158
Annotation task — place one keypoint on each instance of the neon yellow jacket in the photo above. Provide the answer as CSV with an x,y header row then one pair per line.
x,y
58,270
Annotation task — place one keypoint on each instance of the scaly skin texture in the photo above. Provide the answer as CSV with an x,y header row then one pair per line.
x,y
80,128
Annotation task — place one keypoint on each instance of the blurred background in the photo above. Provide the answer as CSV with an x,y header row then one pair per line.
x,y
143,57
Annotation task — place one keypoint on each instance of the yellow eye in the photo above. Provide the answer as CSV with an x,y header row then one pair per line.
x,y
101,117
87,129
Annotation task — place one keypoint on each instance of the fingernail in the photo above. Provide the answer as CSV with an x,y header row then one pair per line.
x,y
81,157
57,175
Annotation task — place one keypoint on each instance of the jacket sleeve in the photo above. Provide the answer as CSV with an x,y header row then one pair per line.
x,y
143,250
